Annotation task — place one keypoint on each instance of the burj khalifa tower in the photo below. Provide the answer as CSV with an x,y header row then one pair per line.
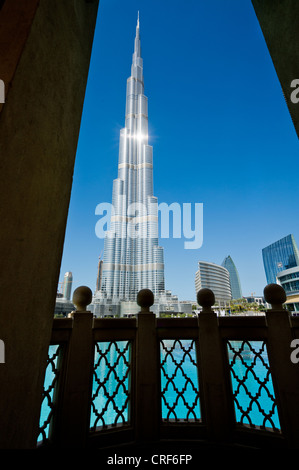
x,y
132,258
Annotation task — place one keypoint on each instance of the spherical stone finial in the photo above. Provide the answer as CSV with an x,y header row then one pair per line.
x,y
82,297
275,296
145,299
206,298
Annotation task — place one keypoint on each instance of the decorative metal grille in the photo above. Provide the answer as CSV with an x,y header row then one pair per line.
x,y
50,383
111,384
179,381
254,399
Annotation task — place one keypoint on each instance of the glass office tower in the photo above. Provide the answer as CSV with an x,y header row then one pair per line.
x,y
281,255
214,277
234,277
133,259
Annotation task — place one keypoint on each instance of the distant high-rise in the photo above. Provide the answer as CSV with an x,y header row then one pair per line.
x,y
214,277
233,277
67,285
133,259
279,256
99,277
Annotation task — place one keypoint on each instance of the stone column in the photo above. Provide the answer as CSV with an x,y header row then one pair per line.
x,y
45,49
279,23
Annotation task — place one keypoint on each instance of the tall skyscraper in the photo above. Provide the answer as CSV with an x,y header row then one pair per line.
x,y
132,258
233,277
281,255
67,285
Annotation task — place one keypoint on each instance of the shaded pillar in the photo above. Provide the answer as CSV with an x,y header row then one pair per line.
x,y
279,21
45,49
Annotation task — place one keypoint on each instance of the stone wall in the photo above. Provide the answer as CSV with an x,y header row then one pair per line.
x,y
45,49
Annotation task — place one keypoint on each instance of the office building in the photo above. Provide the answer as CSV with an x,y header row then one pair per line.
x,y
233,277
289,280
252,299
214,277
63,307
279,256
67,285
63,304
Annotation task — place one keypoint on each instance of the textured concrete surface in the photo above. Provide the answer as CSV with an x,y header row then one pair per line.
x,y
45,50
279,21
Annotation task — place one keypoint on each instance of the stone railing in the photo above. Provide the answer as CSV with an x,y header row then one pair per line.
x,y
225,380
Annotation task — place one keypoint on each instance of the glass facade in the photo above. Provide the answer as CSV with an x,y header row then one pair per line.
x,y
133,259
289,280
279,256
233,277
67,285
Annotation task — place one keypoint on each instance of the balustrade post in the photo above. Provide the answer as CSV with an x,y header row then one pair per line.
x,y
215,404
147,410
72,422
285,373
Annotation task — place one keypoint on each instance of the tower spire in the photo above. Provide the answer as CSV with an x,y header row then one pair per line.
x,y
137,27
130,262
137,48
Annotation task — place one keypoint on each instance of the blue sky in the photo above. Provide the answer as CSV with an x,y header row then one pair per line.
x,y
219,126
